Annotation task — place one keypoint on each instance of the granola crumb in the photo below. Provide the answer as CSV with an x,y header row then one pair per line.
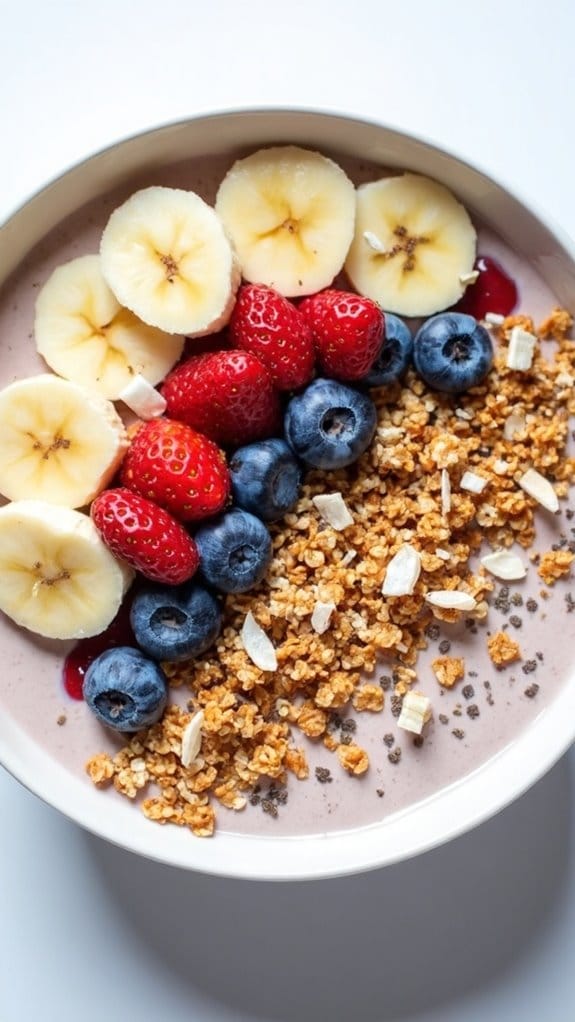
x,y
100,770
502,649
353,759
61,720
368,697
554,564
448,670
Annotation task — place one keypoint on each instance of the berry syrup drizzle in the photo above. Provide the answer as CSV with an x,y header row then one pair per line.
x,y
493,291
119,633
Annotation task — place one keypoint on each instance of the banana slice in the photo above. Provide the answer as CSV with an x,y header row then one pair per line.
x,y
413,244
290,213
57,577
85,335
166,257
58,442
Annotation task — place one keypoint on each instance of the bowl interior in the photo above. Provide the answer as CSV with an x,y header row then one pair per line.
x,y
501,779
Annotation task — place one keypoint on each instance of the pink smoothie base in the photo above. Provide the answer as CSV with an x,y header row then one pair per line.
x,y
31,688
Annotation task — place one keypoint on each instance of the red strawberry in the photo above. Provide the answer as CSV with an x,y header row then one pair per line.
x,y
348,332
228,395
145,536
268,325
177,468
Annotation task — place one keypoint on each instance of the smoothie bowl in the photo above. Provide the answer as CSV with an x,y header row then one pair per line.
x,y
287,528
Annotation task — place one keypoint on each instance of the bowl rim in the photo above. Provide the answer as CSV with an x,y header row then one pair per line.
x,y
306,857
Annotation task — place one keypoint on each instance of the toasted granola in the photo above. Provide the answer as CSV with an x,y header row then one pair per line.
x,y
395,494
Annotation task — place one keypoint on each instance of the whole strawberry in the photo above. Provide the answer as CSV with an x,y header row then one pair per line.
x,y
348,332
268,325
145,536
227,395
177,468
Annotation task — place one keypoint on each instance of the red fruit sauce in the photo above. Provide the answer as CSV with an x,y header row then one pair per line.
x,y
493,291
119,633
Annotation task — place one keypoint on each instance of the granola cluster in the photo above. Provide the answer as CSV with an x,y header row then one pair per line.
x,y
396,494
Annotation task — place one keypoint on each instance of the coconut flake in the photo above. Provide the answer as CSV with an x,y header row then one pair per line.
x,y
538,487
494,319
374,242
505,565
514,423
348,558
564,380
451,599
192,739
402,572
500,467
333,510
445,491
390,432
257,644
521,349
464,413
143,399
472,482
444,555
321,616
468,278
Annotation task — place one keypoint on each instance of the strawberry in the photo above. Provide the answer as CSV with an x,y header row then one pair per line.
x,y
228,395
145,536
268,325
177,468
348,332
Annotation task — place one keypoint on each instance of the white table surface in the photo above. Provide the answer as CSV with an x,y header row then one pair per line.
x,y
483,928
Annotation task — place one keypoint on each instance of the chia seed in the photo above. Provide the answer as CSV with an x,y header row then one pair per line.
x,y
443,719
385,682
395,755
323,775
433,632
473,711
515,621
269,808
396,704
468,692
444,646
570,603
458,733
418,741
531,691
531,605
529,666
517,600
349,725
388,740
380,792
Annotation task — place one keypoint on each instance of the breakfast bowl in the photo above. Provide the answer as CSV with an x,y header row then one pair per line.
x,y
495,677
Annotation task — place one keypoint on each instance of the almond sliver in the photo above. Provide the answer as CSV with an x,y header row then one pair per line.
x,y
402,572
538,487
192,739
451,599
257,645
505,565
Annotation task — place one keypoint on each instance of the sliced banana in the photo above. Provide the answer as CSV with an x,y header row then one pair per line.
x,y
58,441
413,244
166,257
57,577
290,213
85,335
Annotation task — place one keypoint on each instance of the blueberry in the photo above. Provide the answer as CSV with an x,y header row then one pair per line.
x,y
329,425
395,355
452,352
235,550
265,478
175,622
125,690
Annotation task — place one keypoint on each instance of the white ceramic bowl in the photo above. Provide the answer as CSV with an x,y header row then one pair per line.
x,y
454,809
